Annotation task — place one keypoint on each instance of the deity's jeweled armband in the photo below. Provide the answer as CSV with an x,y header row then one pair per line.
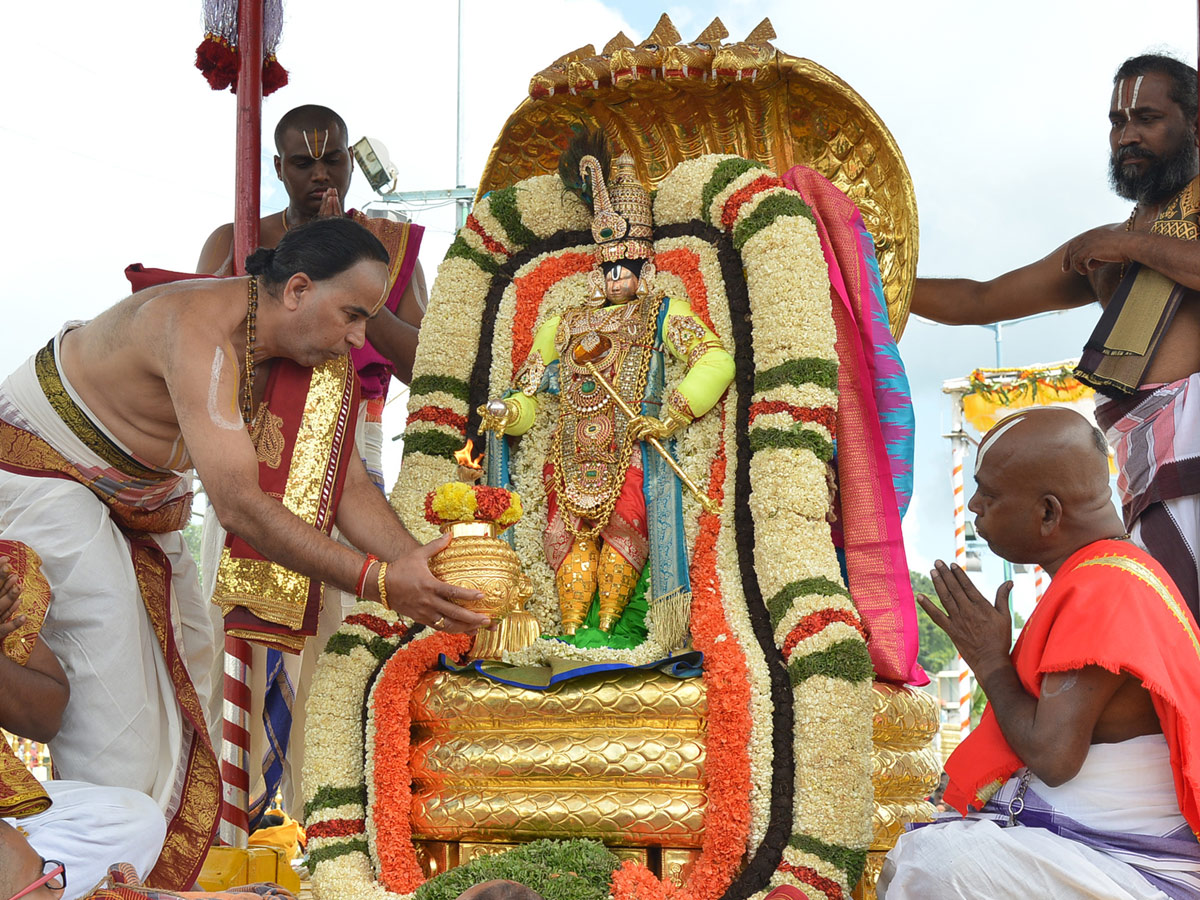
x,y
529,378
710,368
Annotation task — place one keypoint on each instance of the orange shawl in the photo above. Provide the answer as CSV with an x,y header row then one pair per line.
x,y
1110,605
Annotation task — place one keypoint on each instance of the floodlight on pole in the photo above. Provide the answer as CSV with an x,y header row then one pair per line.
x,y
377,167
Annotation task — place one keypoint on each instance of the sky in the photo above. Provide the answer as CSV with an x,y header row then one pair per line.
x,y
116,150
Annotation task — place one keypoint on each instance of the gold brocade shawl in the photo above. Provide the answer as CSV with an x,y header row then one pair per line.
x,y
315,413
20,793
1121,347
394,237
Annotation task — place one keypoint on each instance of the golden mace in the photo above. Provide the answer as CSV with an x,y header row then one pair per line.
x,y
710,505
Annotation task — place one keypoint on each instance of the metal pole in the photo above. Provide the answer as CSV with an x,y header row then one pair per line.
x,y
249,131
460,206
958,438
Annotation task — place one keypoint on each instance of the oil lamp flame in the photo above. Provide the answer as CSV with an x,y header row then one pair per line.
x,y
463,456
469,469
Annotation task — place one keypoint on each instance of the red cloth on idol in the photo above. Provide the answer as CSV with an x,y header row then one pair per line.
x,y
1110,605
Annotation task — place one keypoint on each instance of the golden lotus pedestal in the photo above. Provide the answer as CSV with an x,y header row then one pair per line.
x,y
476,558
618,758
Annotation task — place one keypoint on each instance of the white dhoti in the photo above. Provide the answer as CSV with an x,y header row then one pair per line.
x,y
1123,790
123,725
90,827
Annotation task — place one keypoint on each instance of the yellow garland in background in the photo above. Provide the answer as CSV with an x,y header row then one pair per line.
x,y
996,393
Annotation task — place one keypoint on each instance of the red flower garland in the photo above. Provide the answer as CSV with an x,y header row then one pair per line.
x,y
822,415
816,622
531,291
381,627
492,245
334,828
738,198
438,415
809,876
399,870
727,748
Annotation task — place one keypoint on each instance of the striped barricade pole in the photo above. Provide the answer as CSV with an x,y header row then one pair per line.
x,y
235,743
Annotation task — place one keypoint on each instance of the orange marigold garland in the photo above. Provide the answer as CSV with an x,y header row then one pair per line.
x,y
531,291
727,768
685,264
389,786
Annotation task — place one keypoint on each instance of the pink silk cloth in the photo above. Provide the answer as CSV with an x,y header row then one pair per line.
x,y
869,514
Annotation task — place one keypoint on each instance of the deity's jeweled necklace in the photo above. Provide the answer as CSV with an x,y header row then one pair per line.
x,y
248,380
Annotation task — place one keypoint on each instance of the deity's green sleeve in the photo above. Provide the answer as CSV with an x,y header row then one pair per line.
x,y
710,367
541,354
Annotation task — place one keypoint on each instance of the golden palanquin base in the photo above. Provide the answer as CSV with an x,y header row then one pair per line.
x,y
904,771
618,758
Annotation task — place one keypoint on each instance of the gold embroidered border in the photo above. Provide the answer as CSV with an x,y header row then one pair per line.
x,y
27,454
81,424
20,793
267,589
191,829
1144,574
33,603
394,237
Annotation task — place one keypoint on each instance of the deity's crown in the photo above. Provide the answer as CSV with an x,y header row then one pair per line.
x,y
622,221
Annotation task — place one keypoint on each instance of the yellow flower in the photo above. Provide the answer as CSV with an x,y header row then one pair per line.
x,y
513,513
454,502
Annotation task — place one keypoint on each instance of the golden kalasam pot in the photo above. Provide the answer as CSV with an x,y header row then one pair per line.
x,y
476,558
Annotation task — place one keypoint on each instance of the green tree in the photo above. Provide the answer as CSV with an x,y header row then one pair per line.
x,y
937,650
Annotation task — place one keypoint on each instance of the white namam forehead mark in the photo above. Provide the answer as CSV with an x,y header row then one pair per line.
x,y
320,149
989,439
382,298
1127,94
220,417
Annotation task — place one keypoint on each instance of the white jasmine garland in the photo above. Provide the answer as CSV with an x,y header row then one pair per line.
x,y
716,208
547,209
678,198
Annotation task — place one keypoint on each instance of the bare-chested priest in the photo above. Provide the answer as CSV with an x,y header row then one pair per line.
x,y
99,432
1082,779
1145,271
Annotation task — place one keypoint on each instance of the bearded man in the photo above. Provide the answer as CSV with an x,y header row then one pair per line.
x,y
1144,355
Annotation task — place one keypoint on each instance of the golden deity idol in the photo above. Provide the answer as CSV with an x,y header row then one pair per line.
x,y
605,360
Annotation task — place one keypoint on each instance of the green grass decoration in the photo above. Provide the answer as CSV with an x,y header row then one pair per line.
x,y
558,870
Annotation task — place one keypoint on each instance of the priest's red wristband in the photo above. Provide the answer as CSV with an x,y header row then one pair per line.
x,y
362,576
